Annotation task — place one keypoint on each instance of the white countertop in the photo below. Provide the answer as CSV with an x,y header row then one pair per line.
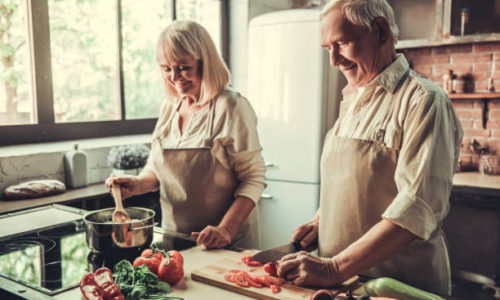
x,y
477,180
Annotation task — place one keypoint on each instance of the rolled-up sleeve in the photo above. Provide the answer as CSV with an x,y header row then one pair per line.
x,y
431,137
243,150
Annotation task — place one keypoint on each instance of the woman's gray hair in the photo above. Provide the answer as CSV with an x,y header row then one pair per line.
x,y
363,12
189,40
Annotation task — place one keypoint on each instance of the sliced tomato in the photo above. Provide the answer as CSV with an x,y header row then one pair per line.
x,y
276,280
271,268
246,259
253,263
275,288
262,279
250,262
241,279
231,275
253,282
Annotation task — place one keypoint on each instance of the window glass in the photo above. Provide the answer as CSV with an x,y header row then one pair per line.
x,y
16,105
205,12
142,23
84,54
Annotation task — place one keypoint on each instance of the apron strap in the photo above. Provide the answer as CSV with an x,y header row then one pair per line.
x,y
211,117
161,131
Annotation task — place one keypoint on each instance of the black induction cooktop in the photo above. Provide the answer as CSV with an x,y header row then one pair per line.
x,y
54,258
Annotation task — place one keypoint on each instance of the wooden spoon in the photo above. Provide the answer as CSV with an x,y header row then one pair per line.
x,y
119,215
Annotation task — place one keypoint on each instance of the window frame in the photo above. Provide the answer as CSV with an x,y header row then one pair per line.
x,y
46,129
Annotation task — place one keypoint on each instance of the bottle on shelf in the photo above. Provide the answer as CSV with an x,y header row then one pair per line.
x,y
75,167
448,80
464,19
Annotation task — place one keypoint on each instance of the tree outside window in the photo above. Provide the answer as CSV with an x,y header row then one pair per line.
x,y
99,75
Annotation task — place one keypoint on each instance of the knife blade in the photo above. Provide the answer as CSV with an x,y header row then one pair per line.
x,y
276,253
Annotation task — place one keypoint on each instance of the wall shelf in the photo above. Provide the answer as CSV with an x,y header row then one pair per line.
x,y
482,96
491,95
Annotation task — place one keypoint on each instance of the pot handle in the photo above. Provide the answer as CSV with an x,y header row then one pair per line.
x,y
142,227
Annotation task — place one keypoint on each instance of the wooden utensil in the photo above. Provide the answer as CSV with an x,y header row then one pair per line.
x,y
119,215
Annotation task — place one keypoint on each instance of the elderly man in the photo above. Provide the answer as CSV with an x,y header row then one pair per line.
x,y
387,164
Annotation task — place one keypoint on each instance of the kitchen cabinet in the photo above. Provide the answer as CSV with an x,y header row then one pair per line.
x,y
440,22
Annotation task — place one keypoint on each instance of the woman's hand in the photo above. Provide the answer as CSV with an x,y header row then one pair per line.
x,y
129,185
306,234
213,237
303,268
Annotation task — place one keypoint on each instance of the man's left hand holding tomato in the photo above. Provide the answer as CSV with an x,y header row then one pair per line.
x,y
216,237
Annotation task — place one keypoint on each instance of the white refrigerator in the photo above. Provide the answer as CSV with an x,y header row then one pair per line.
x,y
295,94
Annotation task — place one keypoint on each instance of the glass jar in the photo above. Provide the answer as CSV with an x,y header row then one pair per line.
x,y
488,164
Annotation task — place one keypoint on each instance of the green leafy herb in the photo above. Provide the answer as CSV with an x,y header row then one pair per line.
x,y
138,283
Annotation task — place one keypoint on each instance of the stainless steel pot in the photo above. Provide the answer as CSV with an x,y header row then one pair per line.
x,y
104,236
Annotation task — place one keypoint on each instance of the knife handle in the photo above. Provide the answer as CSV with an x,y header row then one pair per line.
x,y
311,247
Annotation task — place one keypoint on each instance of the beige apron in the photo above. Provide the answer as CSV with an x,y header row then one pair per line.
x,y
195,189
357,185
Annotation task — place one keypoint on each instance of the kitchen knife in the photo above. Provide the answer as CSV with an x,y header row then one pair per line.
x,y
188,237
277,253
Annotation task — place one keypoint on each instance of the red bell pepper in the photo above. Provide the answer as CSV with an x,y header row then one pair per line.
x,y
100,285
104,281
89,288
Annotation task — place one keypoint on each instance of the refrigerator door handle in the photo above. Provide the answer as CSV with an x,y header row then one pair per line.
x,y
266,196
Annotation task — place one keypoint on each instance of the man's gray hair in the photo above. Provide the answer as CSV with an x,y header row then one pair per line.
x,y
363,12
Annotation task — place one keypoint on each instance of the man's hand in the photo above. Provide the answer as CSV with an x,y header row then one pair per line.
x,y
213,237
303,268
306,234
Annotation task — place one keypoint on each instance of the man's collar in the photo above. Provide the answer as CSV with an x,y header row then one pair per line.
x,y
389,78
392,75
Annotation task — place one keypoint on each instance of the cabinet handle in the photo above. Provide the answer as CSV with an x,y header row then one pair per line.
x,y
266,196
269,165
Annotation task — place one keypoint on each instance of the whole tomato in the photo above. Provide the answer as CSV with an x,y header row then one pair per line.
x,y
171,268
151,258
175,254
271,268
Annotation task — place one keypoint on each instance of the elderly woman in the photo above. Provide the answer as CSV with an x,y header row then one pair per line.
x,y
387,164
205,154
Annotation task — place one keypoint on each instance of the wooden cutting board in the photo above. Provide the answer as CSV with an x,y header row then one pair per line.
x,y
213,274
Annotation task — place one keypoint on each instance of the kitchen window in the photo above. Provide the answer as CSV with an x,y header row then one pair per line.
x,y
73,69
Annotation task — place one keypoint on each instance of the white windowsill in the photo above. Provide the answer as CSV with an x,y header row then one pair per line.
x,y
27,149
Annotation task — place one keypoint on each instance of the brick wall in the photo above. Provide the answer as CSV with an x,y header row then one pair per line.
x,y
472,63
